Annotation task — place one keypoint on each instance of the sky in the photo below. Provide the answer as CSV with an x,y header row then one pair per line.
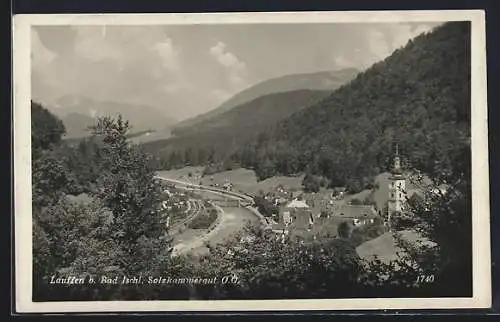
x,y
189,69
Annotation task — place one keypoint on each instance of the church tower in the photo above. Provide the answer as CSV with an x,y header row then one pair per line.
x,y
397,195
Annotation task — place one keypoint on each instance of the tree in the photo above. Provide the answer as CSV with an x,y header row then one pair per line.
x,y
311,183
51,179
128,188
344,230
356,201
46,129
266,268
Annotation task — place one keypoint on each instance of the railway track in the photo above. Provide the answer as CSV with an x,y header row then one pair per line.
x,y
207,188
195,209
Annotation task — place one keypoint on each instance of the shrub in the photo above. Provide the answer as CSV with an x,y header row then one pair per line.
x,y
203,220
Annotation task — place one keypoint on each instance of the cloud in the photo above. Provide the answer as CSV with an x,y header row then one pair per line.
x,y
220,94
236,69
190,69
383,41
93,43
236,81
168,54
40,55
406,32
225,57
177,87
342,62
378,44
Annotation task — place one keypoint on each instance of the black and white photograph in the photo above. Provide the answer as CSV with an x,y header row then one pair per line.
x,y
204,162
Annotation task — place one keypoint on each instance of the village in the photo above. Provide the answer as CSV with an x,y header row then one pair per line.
x,y
289,212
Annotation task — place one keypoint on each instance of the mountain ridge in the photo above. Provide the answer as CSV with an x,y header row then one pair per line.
x,y
323,80
240,123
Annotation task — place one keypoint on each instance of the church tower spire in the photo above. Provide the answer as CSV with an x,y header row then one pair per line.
x,y
397,193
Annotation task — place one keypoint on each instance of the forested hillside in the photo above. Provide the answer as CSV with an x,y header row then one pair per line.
x,y
418,97
330,81
217,138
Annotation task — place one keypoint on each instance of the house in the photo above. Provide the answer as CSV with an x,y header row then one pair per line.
x,y
281,196
302,220
296,215
338,192
297,204
280,228
227,186
293,210
358,214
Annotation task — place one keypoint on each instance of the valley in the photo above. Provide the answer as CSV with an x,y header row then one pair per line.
x,y
328,184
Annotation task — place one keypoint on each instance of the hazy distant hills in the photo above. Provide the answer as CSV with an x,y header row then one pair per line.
x,y
239,124
76,124
327,80
78,112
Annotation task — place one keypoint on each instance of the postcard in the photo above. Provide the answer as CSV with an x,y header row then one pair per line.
x,y
251,161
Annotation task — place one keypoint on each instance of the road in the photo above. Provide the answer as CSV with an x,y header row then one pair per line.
x,y
229,194
230,220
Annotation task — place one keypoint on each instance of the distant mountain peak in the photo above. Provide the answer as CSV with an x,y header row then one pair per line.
x,y
321,80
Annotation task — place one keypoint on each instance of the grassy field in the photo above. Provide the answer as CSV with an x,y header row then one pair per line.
x,y
243,180
289,183
182,174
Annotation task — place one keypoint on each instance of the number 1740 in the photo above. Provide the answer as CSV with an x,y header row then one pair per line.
x,y
425,278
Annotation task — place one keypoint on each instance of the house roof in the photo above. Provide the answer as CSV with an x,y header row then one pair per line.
x,y
297,204
302,220
356,211
386,248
